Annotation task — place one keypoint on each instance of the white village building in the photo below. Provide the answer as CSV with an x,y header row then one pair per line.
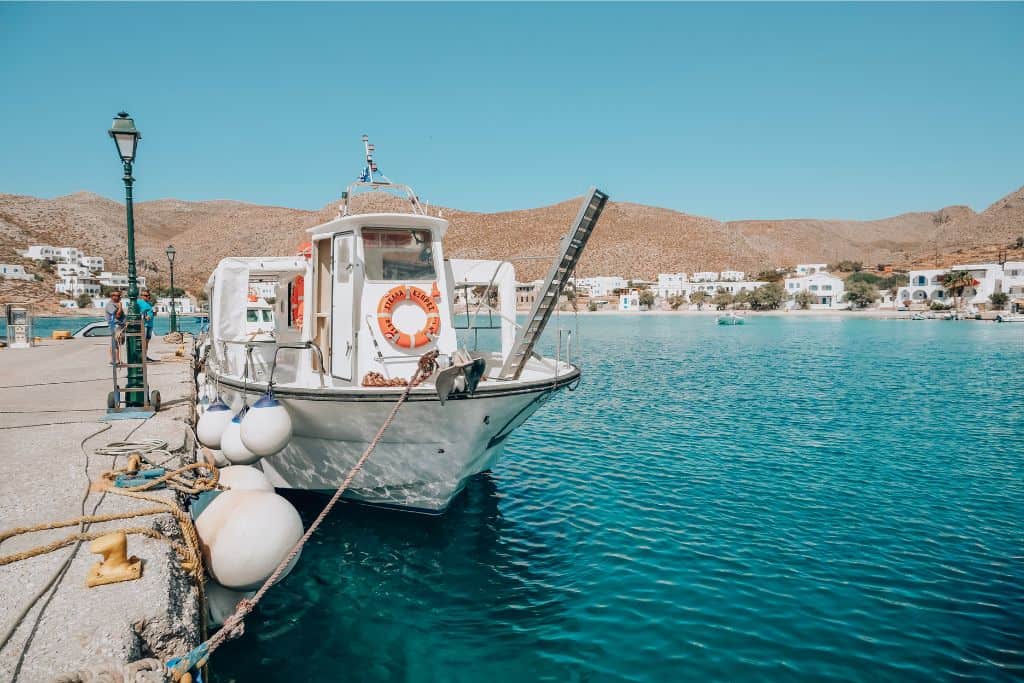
x,y
923,287
13,271
630,301
989,280
41,252
1013,283
811,268
601,285
706,276
75,285
119,280
671,284
732,275
828,290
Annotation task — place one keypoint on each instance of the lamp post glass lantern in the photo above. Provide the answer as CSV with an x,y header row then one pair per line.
x,y
170,251
126,140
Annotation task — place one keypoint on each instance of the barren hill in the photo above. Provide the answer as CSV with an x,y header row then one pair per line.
x,y
632,239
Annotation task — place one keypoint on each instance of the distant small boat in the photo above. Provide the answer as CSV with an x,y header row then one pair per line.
x,y
730,319
1016,318
919,316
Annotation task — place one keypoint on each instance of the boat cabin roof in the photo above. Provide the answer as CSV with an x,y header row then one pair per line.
x,y
380,220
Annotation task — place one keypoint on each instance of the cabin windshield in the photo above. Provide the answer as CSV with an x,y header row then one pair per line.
x,y
398,254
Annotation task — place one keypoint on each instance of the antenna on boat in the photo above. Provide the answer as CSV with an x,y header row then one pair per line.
x,y
371,165
372,178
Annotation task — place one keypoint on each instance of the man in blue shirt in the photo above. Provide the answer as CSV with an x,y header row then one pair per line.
x,y
146,302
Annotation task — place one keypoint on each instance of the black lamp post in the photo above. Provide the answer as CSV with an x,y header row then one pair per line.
x,y
170,251
126,139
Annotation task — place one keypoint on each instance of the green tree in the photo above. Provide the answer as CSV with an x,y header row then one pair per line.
x,y
722,299
999,300
1020,243
804,299
592,306
83,300
699,297
955,282
768,297
742,298
861,294
647,298
676,301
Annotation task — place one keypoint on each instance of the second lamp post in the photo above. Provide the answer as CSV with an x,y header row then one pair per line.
x,y
170,259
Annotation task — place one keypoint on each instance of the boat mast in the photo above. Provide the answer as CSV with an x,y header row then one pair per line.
x,y
380,182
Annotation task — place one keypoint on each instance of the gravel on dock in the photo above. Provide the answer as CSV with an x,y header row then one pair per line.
x,y
51,400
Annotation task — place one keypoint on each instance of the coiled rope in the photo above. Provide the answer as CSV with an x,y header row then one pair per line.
x,y
233,625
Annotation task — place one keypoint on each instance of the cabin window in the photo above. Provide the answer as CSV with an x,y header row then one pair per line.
x,y
398,254
268,315
252,316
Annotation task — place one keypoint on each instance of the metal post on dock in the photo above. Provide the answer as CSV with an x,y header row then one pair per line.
x,y
170,251
126,139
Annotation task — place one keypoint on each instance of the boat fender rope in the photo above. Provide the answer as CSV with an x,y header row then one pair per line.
x,y
233,624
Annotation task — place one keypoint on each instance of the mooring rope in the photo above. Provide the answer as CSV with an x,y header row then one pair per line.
x,y
234,623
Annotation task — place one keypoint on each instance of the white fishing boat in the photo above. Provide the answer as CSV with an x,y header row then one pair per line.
x,y
1010,318
731,318
353,316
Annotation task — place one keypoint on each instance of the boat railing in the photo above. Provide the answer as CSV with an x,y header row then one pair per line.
x,y
248,345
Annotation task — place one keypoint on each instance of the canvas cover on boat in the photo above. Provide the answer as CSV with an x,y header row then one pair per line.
x,y
230,289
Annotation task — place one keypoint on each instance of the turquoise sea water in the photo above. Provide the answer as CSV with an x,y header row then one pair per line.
x,y
793,499
42,326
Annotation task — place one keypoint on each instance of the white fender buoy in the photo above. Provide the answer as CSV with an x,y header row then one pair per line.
x,y
243,478
218,458
267,427
244,535
212,424
231,443
221,602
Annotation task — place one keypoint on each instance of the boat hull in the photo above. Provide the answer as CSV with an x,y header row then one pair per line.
x,y
425,457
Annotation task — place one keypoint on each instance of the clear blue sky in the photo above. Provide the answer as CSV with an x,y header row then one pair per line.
x,y
730,111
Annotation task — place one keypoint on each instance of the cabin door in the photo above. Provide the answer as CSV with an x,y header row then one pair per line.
x,y
343,308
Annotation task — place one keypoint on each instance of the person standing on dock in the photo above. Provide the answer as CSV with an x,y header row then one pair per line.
x,y
114,313
148,317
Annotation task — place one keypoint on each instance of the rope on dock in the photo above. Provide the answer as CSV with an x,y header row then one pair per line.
x,y
233,625
189,552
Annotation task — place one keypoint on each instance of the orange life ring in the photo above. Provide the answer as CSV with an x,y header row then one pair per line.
x,y
387,304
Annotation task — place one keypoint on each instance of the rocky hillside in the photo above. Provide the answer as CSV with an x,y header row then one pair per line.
x,y
632,239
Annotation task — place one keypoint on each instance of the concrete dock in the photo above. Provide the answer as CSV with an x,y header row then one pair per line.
x,y
52,399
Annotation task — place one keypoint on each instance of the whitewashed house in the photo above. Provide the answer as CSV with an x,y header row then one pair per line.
x,y
70,255
989,280
671,284
41,252
526,293
76,285
811,268
93,263
71,269
602,285
923,287
732,276
828,290
183,305
13,271
705,276
630,301
1013,283
119,280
